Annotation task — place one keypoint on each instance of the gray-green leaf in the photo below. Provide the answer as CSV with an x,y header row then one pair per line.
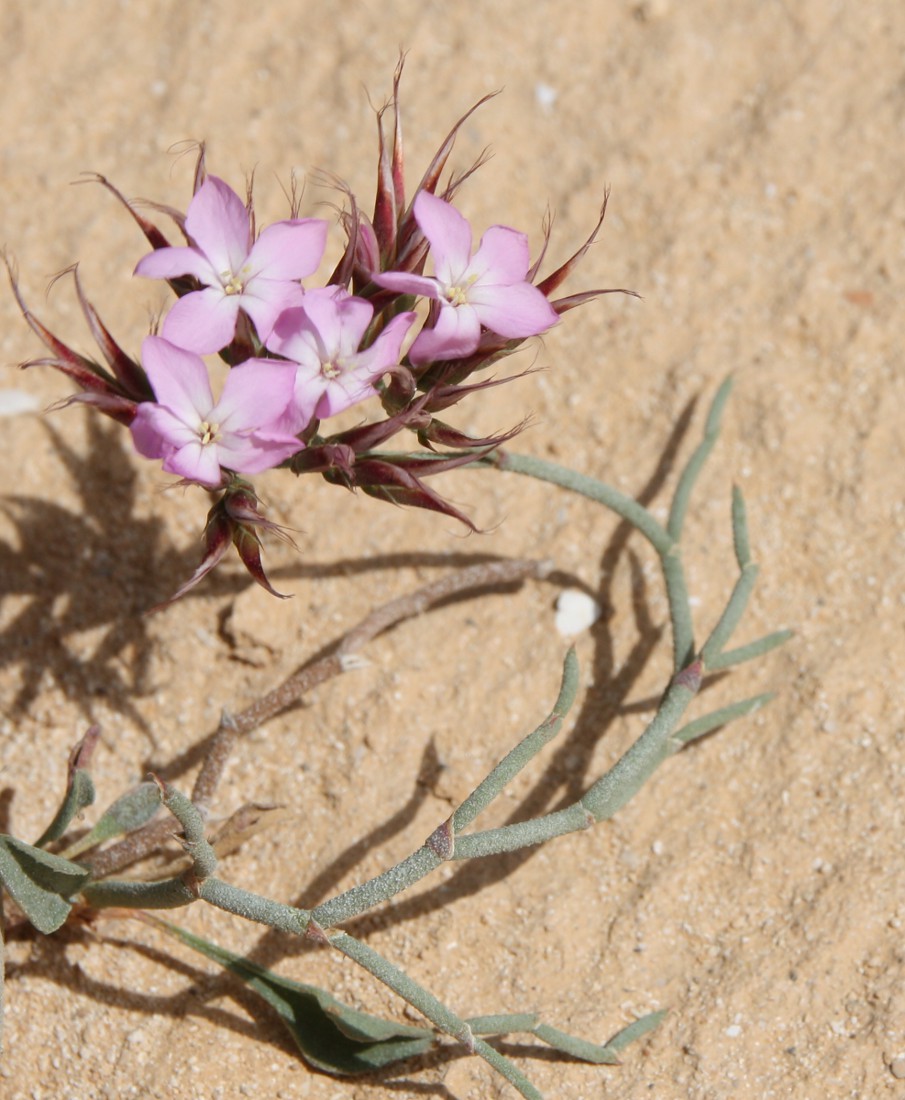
x,y
330,1035
130,811
40,883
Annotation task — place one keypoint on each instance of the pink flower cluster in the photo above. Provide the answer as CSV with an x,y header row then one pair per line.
x,y
322,349
297,355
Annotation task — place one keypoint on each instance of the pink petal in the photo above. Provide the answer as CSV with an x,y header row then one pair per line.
x,y
255,394
456,334
203,321
254,453
383,354
512,311
354,315
449,235
503,257
309,388
295,336
289,249
217,222
151,430
342,393
323,320
196,462
267,301
403,283
178,377
170,263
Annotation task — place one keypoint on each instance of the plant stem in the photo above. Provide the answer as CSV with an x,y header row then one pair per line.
x,y
440,845
638,516
428,1005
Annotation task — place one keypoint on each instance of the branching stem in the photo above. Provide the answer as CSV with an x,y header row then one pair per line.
x,y
663,736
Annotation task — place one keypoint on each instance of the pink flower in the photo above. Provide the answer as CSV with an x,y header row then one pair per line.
x,y
322,338
489,288
196,436
260,277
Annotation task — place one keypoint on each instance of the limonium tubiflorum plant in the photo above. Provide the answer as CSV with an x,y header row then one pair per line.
x,y
405,326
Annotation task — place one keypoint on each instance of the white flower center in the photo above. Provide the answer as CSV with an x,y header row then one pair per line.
x,y
208,432
333,368
234,283
456,295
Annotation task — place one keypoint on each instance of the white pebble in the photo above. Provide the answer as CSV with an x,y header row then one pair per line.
x,y
575,612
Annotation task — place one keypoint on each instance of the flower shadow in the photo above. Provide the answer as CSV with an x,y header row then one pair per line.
x,y
78,580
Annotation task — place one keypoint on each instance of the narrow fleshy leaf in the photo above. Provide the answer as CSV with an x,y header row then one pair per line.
x,y
40,883
79,788
130,811
635,1031
503,1023
750,651
578,1048
330,1035
603,1054
740,528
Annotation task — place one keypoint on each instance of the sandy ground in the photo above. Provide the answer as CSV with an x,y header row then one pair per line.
x,y
756,157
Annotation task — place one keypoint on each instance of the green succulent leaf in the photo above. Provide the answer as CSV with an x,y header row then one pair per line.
x,y
635,1030
331,1036
39,882
130,811
79,795
79,788
596,1053
341,1040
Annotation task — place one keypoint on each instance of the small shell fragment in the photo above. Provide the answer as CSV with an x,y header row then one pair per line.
x,y
575,612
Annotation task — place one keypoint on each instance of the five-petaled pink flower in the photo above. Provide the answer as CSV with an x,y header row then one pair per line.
x,y
489,288
193,434
322,337
260,277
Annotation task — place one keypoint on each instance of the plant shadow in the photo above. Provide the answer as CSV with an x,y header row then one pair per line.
x,y
81,579
59,586
564,779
